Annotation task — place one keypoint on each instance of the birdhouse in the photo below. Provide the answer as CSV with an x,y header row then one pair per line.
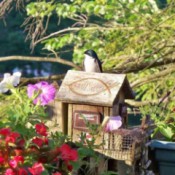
x,y
90,96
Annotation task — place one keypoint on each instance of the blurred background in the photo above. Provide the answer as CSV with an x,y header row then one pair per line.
x,y
12,42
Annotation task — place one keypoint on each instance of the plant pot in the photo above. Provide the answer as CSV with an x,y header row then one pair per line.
x,y
165,156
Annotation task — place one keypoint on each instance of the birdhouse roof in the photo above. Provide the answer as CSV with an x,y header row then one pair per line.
x,y
93,88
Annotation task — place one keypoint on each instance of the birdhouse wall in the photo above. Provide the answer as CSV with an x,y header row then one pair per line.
x,y
120,109
55,121
74,125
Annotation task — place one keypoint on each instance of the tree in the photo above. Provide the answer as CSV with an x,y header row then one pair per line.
x,y
12,42
130,36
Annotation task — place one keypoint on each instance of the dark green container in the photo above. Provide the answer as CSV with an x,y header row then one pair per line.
x,y
165,156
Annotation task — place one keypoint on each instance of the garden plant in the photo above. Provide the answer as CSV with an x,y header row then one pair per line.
x,y
28,145
135,37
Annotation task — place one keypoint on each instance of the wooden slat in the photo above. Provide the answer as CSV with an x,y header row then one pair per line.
x,y
70,111
106,111
88,108
64,111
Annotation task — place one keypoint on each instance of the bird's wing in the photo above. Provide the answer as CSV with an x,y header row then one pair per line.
x,y
82,64
98,65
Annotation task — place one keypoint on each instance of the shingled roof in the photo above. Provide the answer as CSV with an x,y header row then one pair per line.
x,y
93,88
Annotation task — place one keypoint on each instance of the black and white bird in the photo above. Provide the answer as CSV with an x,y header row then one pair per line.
x,y
91,62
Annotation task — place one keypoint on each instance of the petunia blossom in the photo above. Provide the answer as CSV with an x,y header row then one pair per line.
x,y
68,154
38,141
9,81
13,163
42,92
36,169
1,160
113,123
5,131
16,160
12,137
41,129
22,171
10,171
8,135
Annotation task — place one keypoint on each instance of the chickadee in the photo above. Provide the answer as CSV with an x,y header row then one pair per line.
x,y
91,62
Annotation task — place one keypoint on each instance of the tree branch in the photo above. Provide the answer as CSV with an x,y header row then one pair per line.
x,y
164,99
135,67
74,29
42,59
135,103
154,77
25,81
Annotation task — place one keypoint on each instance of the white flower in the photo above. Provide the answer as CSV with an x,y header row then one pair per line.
x,y
9,81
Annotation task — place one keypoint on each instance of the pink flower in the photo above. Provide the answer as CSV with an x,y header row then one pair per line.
x,y
68,154
113,124
22,171
38,141
9,136
41,129
1,160
5,131
43,91
36,169
15,161
12,137
10,171
19,159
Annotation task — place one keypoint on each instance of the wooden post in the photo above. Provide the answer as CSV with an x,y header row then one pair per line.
x,y
55,121
70,110
64,117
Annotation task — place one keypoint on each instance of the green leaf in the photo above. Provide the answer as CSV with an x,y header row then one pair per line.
x,y
76,165
84,152
166,131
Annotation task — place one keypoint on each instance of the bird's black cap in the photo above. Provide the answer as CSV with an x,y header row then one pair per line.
x,y
91,53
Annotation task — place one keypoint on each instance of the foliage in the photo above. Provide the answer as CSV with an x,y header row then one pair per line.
x,y
21,154
136,37
27,144
163,120
130,36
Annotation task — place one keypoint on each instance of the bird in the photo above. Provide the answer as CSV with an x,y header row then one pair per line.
x,y
91,62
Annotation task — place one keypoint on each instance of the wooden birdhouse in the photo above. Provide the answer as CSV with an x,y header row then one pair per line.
x,y
90,96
